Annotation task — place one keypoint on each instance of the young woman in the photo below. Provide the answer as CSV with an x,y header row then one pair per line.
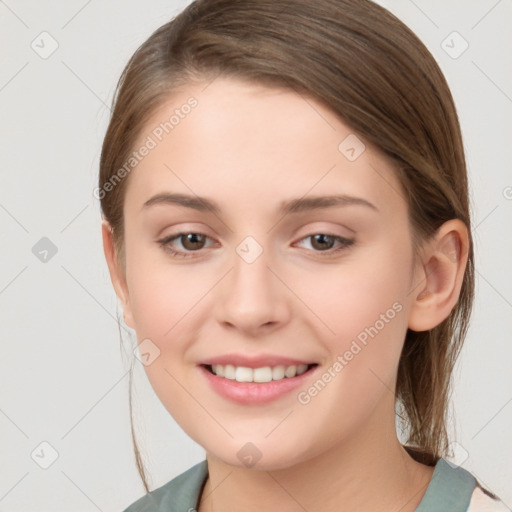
x,y
286,225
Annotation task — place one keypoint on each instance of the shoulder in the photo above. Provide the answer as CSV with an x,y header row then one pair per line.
x,y
453,488
179,494
482,501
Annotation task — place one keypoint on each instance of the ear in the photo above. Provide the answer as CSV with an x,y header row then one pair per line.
x,y
439,276
117,272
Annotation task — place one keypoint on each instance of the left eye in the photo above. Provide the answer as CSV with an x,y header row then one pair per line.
x,y
194,242
324,242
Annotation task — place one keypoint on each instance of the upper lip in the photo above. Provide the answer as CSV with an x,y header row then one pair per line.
x,y
255,361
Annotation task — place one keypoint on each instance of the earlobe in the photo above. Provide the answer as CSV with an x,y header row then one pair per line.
x,y
117,274
439,278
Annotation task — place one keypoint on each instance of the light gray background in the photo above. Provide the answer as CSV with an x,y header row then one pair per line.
x,y
63,373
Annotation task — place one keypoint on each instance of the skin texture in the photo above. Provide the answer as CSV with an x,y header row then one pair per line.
x,y
248,148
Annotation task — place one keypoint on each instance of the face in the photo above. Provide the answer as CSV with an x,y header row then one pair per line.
x,y
233,274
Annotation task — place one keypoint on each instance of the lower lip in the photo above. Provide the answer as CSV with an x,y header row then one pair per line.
x,y
247,393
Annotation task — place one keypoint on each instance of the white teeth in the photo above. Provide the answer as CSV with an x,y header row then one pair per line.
x,y
301,369
278,372
263,374
243,374
229,371
291,371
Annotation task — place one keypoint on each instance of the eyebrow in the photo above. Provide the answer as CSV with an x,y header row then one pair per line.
x,y
286,207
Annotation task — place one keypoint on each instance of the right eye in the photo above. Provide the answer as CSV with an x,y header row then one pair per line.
x,y
190,242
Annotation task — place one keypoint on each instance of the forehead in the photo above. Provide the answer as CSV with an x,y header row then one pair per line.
x,y
239,142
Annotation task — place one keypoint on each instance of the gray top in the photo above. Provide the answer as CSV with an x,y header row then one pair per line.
x,y
450,489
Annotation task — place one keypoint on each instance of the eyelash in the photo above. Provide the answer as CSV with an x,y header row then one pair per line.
x,y
164,243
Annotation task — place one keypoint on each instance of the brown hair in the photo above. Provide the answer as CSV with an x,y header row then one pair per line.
x,y
365,65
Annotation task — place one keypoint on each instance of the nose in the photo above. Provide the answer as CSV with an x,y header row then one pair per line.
x,y
252,298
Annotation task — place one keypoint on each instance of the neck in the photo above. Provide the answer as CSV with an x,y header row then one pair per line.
x,y
367,471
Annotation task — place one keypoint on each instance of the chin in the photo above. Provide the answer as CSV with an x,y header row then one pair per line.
x,y
264,456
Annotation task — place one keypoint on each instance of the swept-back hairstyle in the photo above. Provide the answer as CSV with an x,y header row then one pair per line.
x,y
366,66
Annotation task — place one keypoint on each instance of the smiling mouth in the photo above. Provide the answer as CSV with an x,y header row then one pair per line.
x,y
258,375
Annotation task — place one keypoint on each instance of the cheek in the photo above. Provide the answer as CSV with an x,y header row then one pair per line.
x,y
358,292
164,303
162,294
364,305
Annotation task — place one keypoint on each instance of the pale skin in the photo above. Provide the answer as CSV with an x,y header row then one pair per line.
x,y
249,148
